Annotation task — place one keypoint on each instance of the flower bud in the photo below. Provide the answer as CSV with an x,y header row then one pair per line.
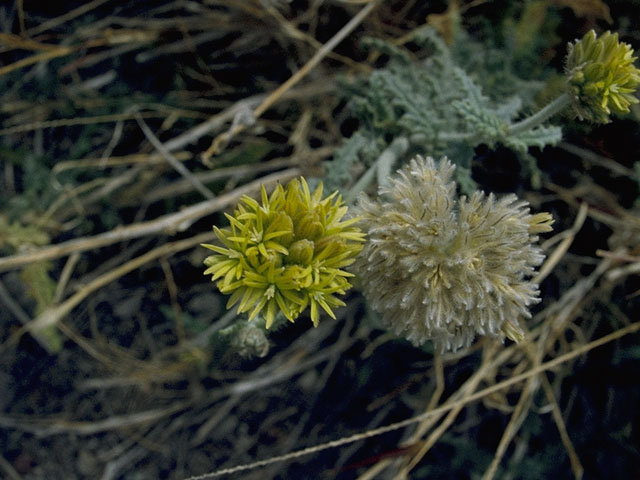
x,y
601,77
301,252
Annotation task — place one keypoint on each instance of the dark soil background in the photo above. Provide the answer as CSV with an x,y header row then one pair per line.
x,y
148,376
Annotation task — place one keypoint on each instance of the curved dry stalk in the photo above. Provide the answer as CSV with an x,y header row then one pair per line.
x,y
292,31
567,237
576,465
548,336
173,161
606,210
519,414
560,313
596,159
182,186
517,418
65,276
274,96
617,273
53,315
45,56
432,415
468,388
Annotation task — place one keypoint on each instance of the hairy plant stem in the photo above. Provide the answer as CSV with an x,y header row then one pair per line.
x,y
541,116
538,118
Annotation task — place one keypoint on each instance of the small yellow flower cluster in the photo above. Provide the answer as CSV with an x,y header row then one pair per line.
x,y
601,76
285,253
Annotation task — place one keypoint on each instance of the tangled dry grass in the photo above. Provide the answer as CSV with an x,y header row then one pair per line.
x,y
127,129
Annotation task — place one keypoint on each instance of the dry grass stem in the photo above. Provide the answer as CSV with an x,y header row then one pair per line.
x,y
173,296
42,428
468,388
173,161
273,97
566,239
9,470
70,15
70,122
65,276
54,314
102,163
515,422
167,224
596,159
576,465
447,407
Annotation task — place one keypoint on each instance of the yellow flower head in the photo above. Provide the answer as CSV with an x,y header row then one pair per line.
x,y
285,253
601,76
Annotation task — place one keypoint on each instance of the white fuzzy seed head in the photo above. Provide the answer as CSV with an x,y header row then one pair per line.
x,y
442,269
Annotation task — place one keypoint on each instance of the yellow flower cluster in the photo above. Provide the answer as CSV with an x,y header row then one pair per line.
x,y
285,253
601,76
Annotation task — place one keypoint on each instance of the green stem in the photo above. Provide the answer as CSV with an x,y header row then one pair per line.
x,y
541,116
